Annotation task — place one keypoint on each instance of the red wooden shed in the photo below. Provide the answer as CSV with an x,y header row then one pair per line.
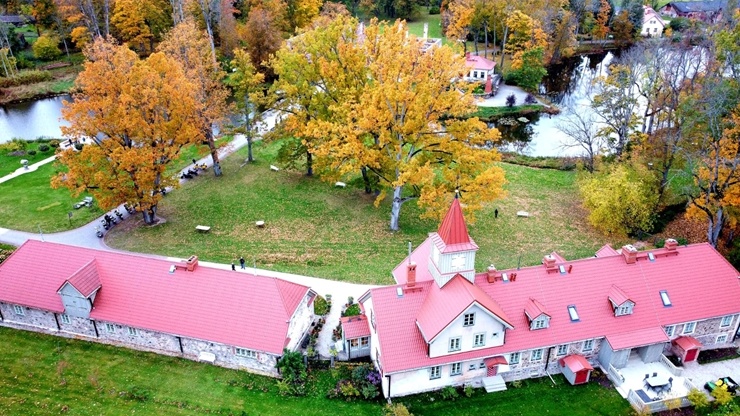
x,y
576,369
686,348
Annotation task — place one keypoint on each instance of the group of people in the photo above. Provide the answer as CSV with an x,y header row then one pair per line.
x,y
194,170
241,264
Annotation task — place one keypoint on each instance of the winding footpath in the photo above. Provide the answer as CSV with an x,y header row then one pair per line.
x,y
85,236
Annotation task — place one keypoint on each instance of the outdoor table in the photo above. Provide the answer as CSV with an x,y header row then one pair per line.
x,y
657,381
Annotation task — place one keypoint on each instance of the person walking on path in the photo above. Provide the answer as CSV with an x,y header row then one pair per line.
x,y
241,262
233,266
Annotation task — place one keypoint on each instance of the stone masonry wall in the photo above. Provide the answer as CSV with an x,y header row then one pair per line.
x,y
31,317
300,323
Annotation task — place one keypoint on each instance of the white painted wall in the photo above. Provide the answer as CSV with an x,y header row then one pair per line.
x,y
484,323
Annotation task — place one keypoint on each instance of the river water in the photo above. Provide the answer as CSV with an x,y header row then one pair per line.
x,y
567,85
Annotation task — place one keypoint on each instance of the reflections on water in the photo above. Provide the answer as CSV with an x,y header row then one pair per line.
x,y
31,119
568,85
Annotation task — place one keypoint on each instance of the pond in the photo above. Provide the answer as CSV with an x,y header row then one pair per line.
x,y
568,85
31,119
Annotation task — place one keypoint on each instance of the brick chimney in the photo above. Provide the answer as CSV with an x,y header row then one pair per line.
x,y
491,274
191,263
549,262
630,253
411,274
671,244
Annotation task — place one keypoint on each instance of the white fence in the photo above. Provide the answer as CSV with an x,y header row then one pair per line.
x,y
676,371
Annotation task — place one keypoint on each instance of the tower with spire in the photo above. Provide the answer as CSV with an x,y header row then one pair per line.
x,y
453,251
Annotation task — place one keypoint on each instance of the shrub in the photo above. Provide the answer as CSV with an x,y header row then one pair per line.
x,y
511,100
697,398
294,373
721,395
449,393
396,409
31,152
320,306
434,10
679,24
468,390
15,145
54,143
44,148
25,77
45,48
529,99
352,310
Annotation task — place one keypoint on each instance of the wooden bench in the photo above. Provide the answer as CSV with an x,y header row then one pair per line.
x,y
524,214
203,228
260,224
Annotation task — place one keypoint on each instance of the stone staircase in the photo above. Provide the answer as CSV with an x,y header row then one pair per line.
x,y
495,383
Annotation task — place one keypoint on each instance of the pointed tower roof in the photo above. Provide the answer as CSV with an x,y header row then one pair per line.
x,y
453,232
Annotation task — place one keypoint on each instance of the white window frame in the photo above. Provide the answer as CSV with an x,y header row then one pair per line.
x,y
539,323
723,339
132,331
688,325
536,355
670,330
514,358
65,318
726,321
455,366
19,310
455,344
588,345
243,352
110,328
435,373
479,340
469,319
624,309
562,350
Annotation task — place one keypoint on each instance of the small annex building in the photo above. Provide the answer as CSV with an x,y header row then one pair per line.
x,y
652,23
231,319
445,324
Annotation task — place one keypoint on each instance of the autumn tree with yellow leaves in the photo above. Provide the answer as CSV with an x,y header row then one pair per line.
x,y
137,114
189,46
381,103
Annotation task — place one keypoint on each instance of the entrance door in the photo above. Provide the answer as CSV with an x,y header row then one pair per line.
x,y
492,370
691,355
581,377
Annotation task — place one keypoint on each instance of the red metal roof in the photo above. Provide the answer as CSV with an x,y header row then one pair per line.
x,y
85,280
576,363
497,360
617,296
453,231
687,343
355,327
681,273
637,338
533,308
443,305
420,256
216,305
606,251
479,62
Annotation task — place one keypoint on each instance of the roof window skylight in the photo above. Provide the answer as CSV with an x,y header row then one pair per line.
x,y
399,291
651,256
664,297
562,269
573,313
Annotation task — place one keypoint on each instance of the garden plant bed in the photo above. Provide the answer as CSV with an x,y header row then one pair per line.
x,y
720,354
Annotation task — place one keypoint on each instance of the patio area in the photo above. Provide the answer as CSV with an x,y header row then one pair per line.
x,y
634,379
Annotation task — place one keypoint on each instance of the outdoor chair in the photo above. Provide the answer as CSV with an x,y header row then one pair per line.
x,y
646,376
655,374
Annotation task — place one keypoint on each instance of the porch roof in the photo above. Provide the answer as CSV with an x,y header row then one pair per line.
x,y
637,338
687,343
355,326
575,363
497,360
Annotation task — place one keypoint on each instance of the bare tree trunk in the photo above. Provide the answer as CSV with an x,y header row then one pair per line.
x,y
503,47
366,180
715,227
309,163
396,208
214,153
485,40
250,158
150,215
207,13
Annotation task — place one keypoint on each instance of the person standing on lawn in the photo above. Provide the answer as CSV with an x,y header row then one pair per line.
x,y
241,262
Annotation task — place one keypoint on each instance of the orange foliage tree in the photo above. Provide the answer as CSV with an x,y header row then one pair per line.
x,y
138,114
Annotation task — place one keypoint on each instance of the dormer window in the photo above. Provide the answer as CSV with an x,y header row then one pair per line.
x,y
540,323
469,319
625,309
621,303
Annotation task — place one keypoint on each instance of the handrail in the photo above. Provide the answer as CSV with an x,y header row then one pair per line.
x,y
676,371
614,375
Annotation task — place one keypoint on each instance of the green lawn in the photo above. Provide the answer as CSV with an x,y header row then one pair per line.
x,y
9,164
42,375
316,229
27,202
416,27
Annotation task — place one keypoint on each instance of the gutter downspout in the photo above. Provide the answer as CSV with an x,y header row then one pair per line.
x,y
59,328
1,316
95,328
389,386
179,342
547,364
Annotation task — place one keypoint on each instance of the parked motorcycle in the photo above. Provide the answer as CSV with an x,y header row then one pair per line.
x,y
98,232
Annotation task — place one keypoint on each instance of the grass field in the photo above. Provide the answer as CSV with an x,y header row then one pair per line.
x,y
43,374
27,202
9,164
316,229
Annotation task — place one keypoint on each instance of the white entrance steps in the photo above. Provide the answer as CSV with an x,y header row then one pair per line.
x,y
494,383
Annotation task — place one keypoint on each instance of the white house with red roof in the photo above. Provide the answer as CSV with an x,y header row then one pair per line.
x,y
652,23
480,68
230,319
444,324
